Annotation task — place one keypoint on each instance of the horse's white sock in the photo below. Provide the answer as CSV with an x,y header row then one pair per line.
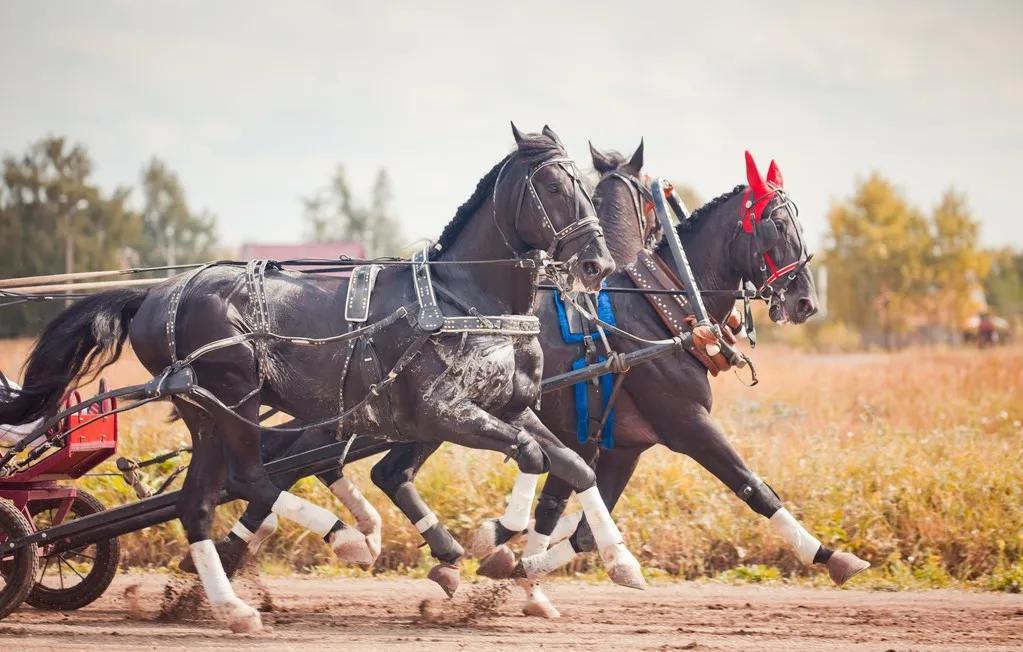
x,y
311,517
211,573
262,533
535,543
516,515
550,561
805,544
566,526
605,532
367,518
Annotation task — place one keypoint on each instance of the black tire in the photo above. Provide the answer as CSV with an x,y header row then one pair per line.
x,y
17,569
93,566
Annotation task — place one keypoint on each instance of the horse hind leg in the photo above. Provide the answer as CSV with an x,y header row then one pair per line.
x,y
196,505
248,479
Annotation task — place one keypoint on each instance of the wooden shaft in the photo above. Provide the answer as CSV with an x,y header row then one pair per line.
x,y
72,287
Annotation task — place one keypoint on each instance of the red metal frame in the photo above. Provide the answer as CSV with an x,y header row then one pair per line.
x,y
93,442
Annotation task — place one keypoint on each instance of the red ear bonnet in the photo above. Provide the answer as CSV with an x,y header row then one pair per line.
x,y
756,182
774,176
757,194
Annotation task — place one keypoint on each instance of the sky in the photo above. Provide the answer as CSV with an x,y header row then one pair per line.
x,y
255,103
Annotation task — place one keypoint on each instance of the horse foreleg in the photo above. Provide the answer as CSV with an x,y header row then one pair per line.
x,y
622,567
614,469
394,475
704,442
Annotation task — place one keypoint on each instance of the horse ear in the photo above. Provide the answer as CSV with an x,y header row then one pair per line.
x,y
756,182
635,163
547,131
774,175
602,163
517,134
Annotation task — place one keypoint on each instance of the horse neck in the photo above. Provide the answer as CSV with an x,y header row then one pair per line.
x,y
708,248
621,233
491,289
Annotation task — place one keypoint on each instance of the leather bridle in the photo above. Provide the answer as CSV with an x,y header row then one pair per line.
x,y
580,226
775,278
642,202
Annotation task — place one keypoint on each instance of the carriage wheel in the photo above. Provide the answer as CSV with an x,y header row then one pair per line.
x,y
73,578
17,569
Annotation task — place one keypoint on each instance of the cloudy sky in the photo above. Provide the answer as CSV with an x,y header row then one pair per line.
x,y
254,103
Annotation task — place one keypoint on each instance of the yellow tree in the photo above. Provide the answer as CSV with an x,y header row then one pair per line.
x,y
877,260
959,265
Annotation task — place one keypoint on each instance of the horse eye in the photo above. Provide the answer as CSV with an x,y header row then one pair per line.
x,y
553,187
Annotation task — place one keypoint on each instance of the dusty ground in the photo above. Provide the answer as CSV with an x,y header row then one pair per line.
x,y
374,615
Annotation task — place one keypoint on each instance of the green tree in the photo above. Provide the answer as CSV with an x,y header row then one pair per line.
x,y
171,232
53,220
333,213
1004,285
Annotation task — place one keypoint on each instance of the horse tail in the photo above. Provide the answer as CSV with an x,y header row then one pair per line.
x,y
82,340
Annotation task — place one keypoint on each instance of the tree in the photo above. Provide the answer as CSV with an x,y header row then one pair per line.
x,y
877,260
1004,285
892,270
957,265
333,213
171,232
54,220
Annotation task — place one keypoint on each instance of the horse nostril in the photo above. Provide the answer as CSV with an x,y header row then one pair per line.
x,y
806,308
591,268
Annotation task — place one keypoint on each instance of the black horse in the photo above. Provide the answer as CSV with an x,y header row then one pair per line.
x,y
749,234
468,380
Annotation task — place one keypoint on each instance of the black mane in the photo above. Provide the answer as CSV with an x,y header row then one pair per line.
x,y
697,217
532,148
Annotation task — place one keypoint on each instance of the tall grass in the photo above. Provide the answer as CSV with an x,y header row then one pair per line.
x,y
911,460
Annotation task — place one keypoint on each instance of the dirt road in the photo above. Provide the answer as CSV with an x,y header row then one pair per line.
x,y
371,615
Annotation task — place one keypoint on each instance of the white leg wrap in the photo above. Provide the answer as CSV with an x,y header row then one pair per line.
x,y
211,573
516,515
548,562
566,526
262,533
367,518
788,527
427,522
605,532
311,517
536,543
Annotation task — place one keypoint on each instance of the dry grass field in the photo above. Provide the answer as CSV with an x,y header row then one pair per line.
x,y
912,460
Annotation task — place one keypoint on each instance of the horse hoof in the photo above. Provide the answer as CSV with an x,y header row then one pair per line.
x,y
352,547
483,540
540,608
842,566
240,617
498,565
622,567
447,576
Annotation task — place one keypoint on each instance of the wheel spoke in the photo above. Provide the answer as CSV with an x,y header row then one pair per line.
x,y
73,569
42,573
60,571
81,554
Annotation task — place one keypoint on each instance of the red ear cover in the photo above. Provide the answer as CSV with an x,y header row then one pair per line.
x,y
774,176
753,178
